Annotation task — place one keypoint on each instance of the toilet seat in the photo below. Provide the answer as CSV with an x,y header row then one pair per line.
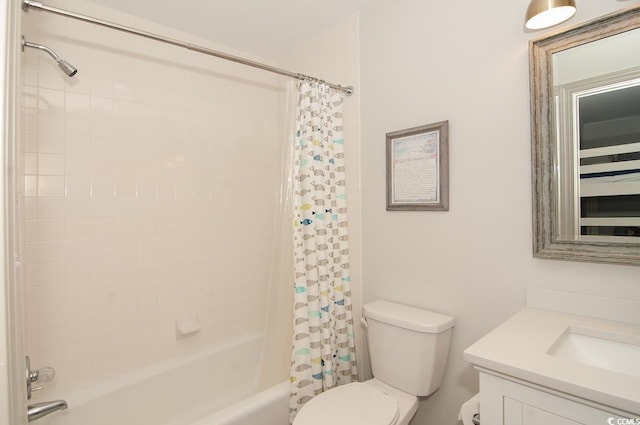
x,y
350,404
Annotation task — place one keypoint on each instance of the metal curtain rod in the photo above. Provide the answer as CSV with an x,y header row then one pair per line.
x,y
26,4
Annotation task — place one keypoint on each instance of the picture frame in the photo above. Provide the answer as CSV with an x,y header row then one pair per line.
x,y
418,168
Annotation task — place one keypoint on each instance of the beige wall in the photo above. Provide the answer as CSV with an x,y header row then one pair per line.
x,y
151,187
424,62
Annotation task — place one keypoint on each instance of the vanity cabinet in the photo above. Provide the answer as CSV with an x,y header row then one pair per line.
x,y
509,401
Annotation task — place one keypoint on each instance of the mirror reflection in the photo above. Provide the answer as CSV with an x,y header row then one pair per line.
x,y
597,109
586,84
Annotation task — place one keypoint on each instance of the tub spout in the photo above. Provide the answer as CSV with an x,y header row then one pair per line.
x,y
38,410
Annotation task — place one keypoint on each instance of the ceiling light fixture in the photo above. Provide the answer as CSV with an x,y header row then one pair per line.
x,y
547,13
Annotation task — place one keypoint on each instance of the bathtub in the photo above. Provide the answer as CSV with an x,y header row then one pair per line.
x,y
218,386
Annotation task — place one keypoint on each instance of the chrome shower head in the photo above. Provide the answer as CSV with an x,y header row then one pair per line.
x,y
68,69
65,66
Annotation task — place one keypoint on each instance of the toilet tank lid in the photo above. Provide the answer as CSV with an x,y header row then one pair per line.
x,y
406,317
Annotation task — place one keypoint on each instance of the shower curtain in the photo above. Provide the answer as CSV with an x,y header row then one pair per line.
x,y
323,353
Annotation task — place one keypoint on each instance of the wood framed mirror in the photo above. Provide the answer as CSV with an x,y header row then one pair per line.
x,y
585,122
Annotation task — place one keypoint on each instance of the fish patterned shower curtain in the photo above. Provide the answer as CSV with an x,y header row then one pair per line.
x,y
323,353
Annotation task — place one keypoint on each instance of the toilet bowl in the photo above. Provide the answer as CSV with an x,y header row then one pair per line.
x,y
408,348
360,403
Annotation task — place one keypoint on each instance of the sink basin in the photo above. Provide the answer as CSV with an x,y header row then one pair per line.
x,y
615,352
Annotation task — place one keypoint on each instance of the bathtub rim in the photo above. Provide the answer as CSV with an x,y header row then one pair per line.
x,y
260,400
82,395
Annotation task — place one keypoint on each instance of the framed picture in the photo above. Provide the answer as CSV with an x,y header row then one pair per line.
x,y
418,168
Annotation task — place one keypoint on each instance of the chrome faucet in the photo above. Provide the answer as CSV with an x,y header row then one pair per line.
x,y
38,410
40,376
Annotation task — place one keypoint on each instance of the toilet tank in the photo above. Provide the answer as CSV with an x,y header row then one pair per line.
x,y
408,346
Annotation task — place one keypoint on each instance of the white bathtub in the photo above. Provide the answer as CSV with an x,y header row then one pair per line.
x,y
218,386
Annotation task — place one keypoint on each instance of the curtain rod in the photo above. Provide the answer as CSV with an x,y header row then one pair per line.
x,y
26,4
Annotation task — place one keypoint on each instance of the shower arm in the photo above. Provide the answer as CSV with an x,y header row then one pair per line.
x,y
27,4
68,69
41,47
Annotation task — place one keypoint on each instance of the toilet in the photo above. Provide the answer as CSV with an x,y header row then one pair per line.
x,y
408,348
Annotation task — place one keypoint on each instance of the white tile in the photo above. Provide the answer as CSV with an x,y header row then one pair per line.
x,y
102,125
102,226
146,189
146,242
102,86
51,295
126,246
30,97
102,146
51,142
159,150
102,167
166,206
146,150
124,206
78,124
30,163
80,83
30,76
77,144
79,249
147,317
147,260
125,168
30,188
51,164
49,273
53,338
77,228
125,225
124,91
51,186
125,187
30,140
145,94
124,108
124,263
51,100
45,208
78,103
30,230
101,106
78,270
103,267
50,230
103,247
146,169
78,186
148,353
102,187
50,76
53,317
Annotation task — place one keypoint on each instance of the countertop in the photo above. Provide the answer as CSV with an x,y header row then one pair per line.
x,y
519,348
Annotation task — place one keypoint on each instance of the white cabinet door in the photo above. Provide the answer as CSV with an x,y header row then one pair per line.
x,y
534,416
505,402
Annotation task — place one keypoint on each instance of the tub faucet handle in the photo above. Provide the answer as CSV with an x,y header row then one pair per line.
x,y
38,376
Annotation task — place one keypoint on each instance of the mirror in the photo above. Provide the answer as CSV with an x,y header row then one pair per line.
x,y
585,117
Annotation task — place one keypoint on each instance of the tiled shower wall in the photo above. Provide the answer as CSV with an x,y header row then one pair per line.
x,y
151,192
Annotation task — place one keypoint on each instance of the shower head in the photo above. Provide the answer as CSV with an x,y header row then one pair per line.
x,y
65,66
68,69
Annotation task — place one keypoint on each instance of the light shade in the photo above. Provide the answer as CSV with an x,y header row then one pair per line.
x,y
546,13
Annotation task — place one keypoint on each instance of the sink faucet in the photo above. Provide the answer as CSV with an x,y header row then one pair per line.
x,y
38,410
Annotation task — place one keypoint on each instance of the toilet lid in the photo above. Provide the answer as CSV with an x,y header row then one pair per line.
x,y
351,404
